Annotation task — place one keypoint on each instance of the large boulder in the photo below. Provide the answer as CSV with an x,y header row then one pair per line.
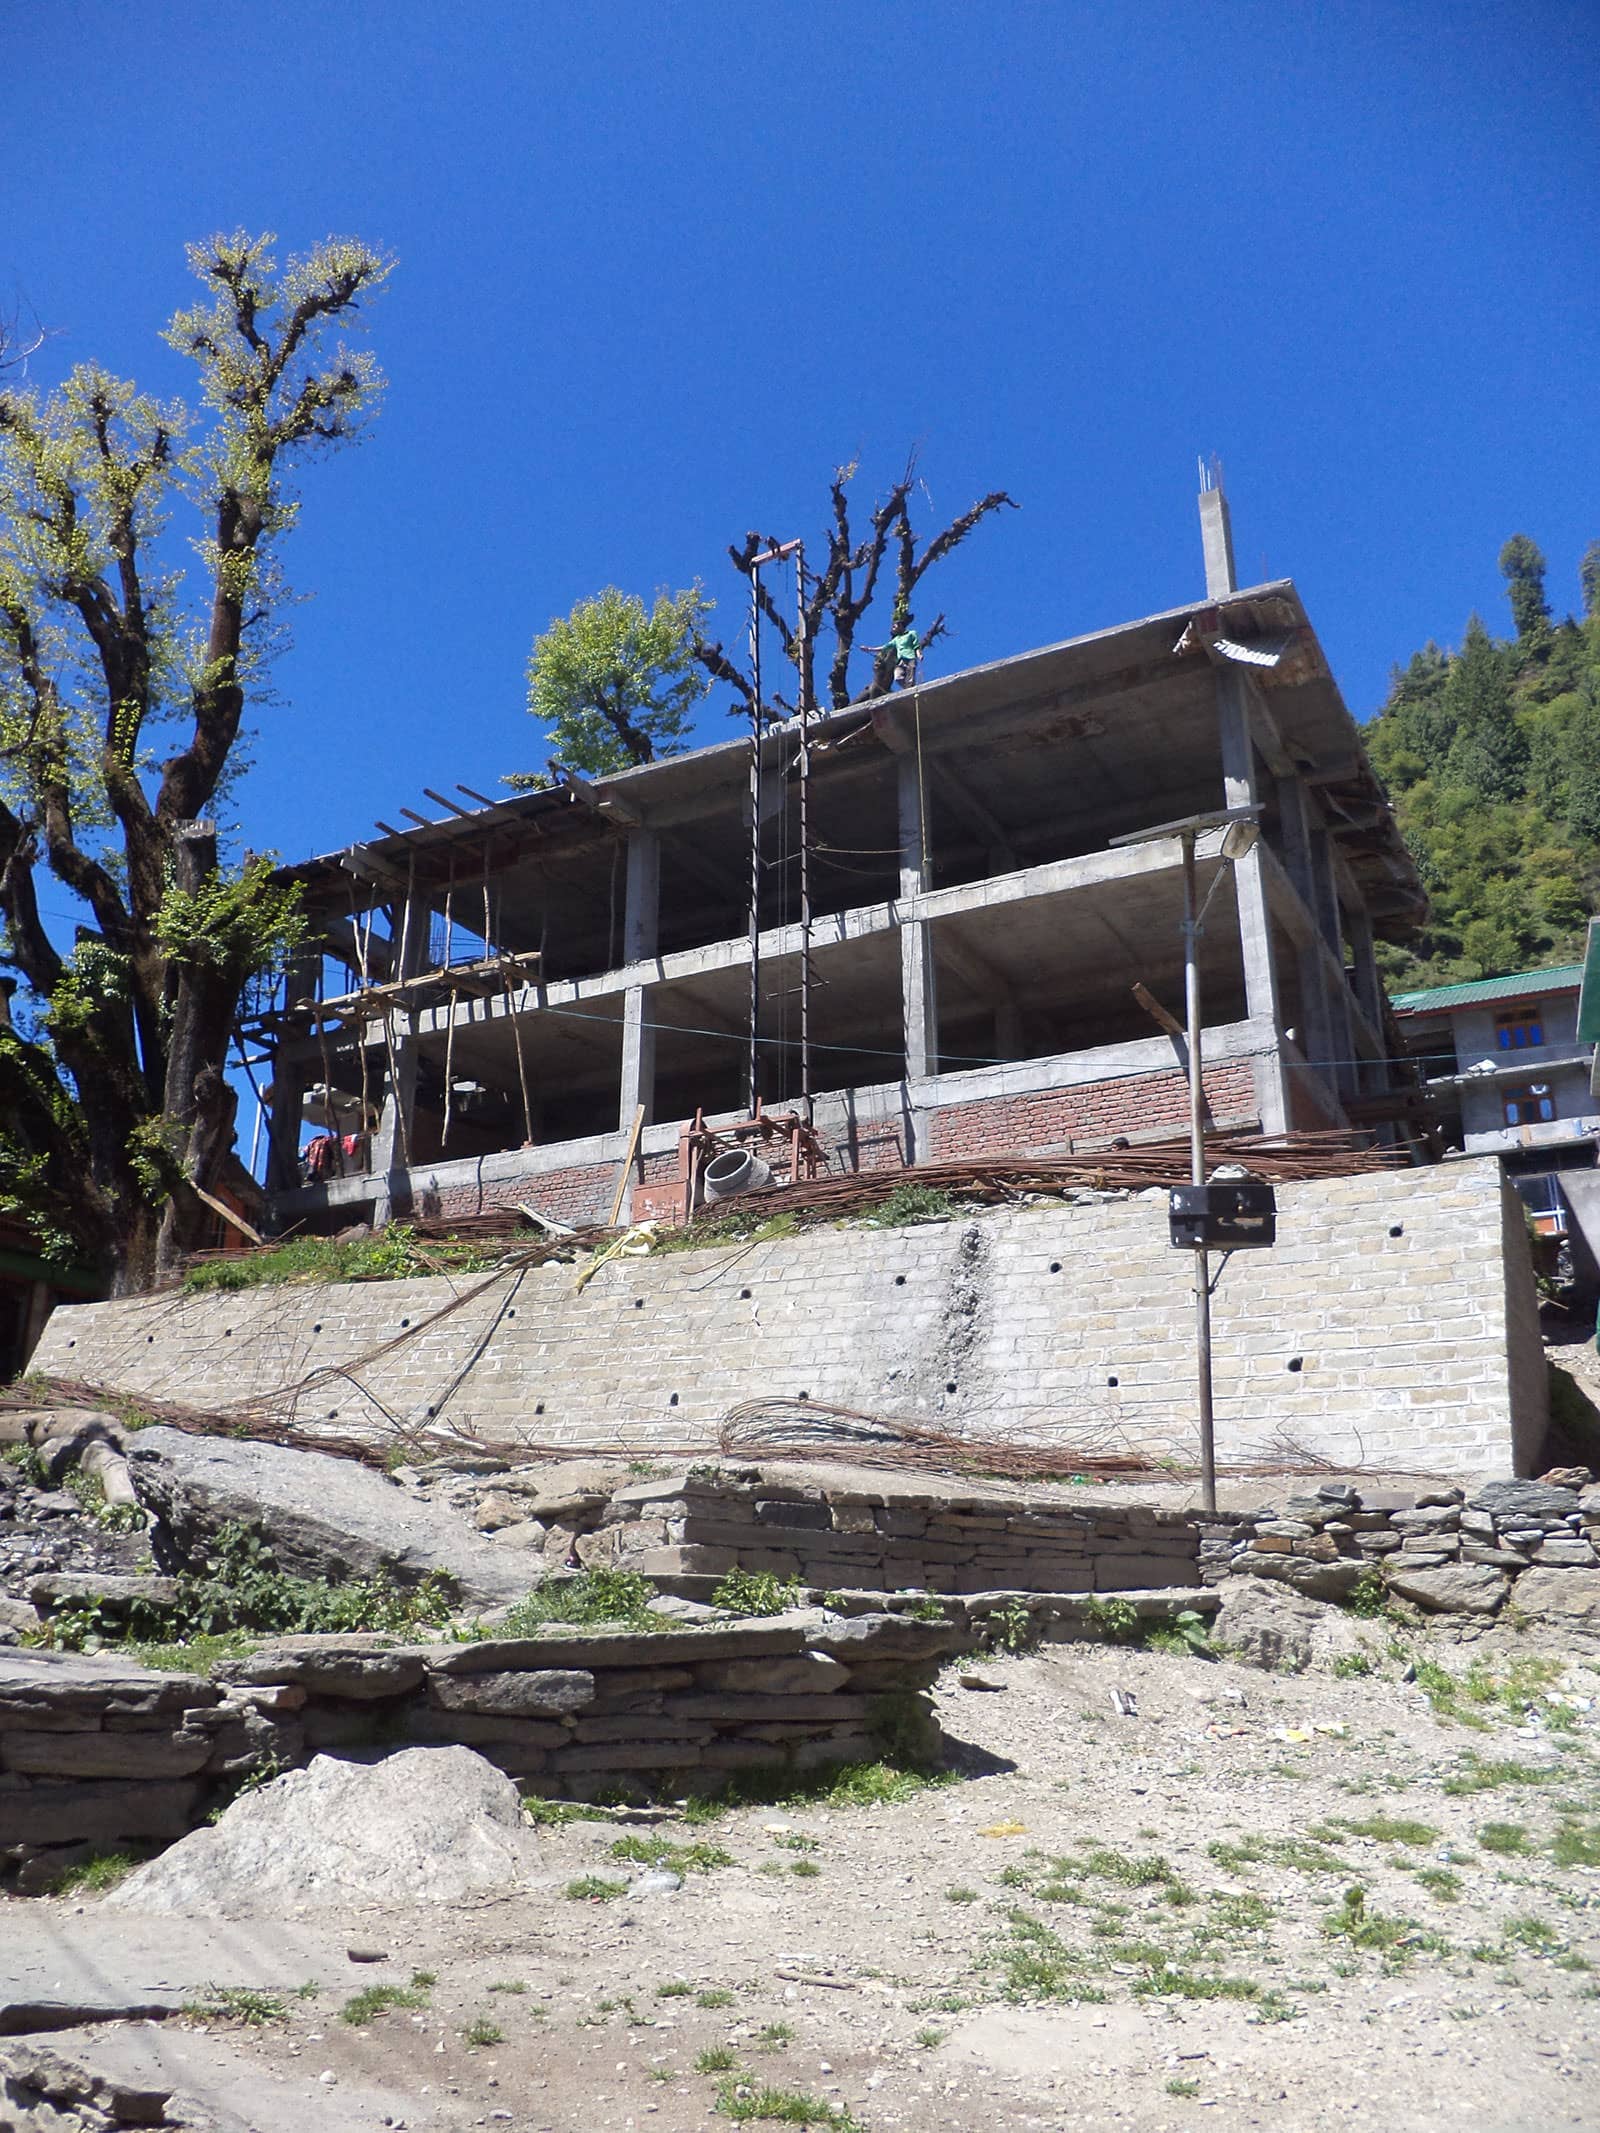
x,y
1271,1625
323,1517
1568,1600
429,1825
1451,1588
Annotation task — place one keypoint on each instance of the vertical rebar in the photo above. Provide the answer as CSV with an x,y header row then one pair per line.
x,y
754,1071
803,664
1197,1173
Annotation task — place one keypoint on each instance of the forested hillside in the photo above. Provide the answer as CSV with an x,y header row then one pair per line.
x,y
1492,755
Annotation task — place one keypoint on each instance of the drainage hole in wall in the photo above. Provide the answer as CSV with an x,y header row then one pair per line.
x,y
744,1296
1297,1362
512,1312
638,1303
333,1414
672,1400
227,1333
317,1328
950,1385
1111,1381
430,1414
1397,1229
404,1323
1055,1266
149,1341
538,1407
899,1281
73,1344
802,1396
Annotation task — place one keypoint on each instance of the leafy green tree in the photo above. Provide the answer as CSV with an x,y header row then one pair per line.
x,y
1522,565
124,685
1589,579
1492,757
616,683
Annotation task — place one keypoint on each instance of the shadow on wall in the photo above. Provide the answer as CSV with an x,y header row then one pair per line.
x,y
1573,1437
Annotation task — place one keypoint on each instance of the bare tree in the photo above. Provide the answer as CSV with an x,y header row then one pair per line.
x,y
115,1111
888,554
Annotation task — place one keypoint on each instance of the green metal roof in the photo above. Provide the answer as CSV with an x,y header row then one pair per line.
x,y
1566,977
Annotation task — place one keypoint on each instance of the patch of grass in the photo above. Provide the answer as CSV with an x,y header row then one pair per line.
x,y
1534,1935
794,1840
589,1596
804,1869
714,1996
481,2032
1162,1982
242,2005
510,1984
1507,1838
1116,1619
662,1853
786,2107
1440,1882
930,2039
1478,1774
717,2059
881,1784
756,1592
910,1203
556,1814
366,2006
1301,1854
1576,1844
1183,2087
94,1876
776,2037
1515,1688
674,1988
1351,1666
390,1254
960,1895
591,1888
1378,1931
1036,1964
1389,1829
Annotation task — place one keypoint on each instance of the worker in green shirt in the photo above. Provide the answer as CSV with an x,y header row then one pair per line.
x,y
906,645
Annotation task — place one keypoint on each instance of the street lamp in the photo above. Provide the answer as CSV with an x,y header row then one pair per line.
x,y
1240,828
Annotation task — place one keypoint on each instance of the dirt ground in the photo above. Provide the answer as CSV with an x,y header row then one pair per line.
x,y
1027,1945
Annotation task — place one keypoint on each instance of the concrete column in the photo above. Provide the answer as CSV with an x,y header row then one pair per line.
x,y
1325,909
1369,992
642,909
283,1124
1255,924
391,1143
1008,1036
918,1003
1320,1040
1216,537
638,1057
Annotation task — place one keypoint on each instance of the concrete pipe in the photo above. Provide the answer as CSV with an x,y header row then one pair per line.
x,y
737,1171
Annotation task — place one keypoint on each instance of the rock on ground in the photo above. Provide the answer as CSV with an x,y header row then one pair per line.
x,y
1277,1628
430,1825
324,1517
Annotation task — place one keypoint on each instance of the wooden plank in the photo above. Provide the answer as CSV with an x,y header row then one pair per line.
x,y
1153,1007
627,1165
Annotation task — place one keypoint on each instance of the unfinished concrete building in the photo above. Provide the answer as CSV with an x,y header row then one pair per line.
x,y
523,1001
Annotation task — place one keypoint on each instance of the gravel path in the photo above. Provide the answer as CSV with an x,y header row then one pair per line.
x,y
1022,1947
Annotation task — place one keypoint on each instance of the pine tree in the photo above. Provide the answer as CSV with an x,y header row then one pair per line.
x,y
1522,565
1488,752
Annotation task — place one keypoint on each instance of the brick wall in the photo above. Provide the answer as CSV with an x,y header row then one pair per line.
x,y
1097,1110
1393,1326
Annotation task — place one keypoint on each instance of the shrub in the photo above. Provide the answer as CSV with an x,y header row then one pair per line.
x,y
756,1592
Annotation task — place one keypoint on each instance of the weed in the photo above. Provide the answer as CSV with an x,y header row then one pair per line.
x,y
881,1784
756,1592
1160,1982
94,1876
240,2004
794,1840
910,1203
776,2037
1377,1930
591,1888
589,1596
1300,1854
927,1609
1011,1628
674,1988
1116,1619
717,2060
714,1996
1368,1596
1440,1882
390,1254
510,1984
959,1895
423,1980
1351,1666
1183,2088
556,1814
366,2006
929,2039
1532,1934
28,1463
1273,2007
783,2107
662,1853
1503,1837
804,1869
1186,1633
481,2031
1478,1775
1036,1964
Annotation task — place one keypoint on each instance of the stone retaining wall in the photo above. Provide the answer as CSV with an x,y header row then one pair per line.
x,y
1393,1326
847,1537
96,1751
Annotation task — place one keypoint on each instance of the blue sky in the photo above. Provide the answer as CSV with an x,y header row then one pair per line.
x,y
661,268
